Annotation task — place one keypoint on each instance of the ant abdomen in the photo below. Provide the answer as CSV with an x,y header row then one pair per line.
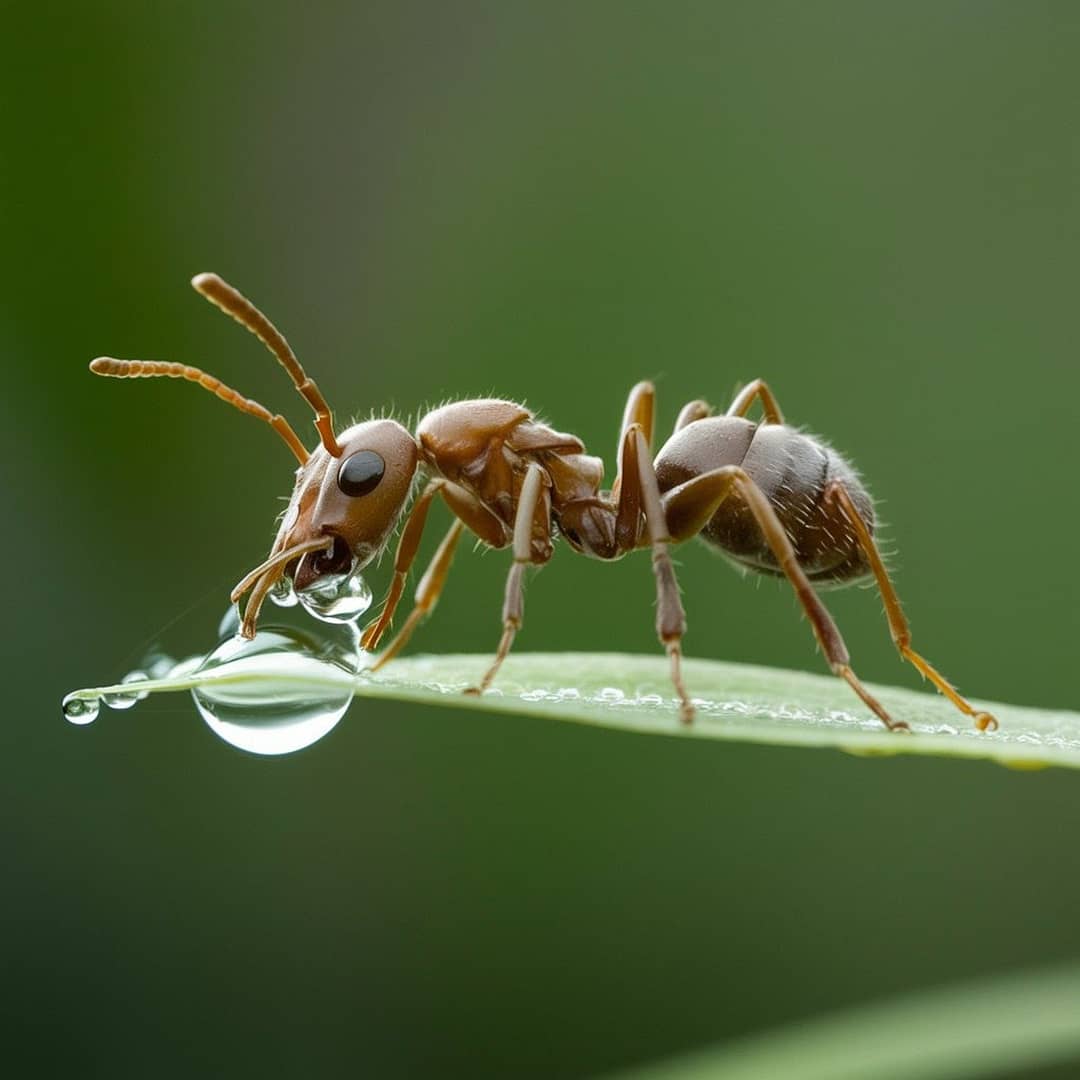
x,y
795,472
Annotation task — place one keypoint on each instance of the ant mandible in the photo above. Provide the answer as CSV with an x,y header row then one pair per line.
x,y
772,499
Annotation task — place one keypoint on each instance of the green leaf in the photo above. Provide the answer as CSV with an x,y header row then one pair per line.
x,y
735,702
1009,1024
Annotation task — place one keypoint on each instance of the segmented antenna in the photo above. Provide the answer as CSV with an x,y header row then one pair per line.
x,y
142,369
233,303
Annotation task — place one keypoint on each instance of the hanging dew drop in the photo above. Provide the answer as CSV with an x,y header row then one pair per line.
x,y
126,699
80,710
121,700
337,598
302,688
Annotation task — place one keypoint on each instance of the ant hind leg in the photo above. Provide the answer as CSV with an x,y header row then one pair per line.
x,y
898,624
689,506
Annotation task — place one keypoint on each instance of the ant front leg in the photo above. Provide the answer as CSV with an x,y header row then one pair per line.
x,y
533,515
641,493
639,411
898,624
689,507
403,560
757,390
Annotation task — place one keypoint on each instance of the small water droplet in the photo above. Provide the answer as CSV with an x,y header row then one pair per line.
x,y
120,701
80,710
282,713
337,598
134,677
610,693
283,594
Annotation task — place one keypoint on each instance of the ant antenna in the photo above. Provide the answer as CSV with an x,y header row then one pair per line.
x,y
224,296
133,369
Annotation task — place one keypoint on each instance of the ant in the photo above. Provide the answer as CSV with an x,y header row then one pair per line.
x,y
772,499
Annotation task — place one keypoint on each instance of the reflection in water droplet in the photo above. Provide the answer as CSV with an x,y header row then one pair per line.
x,y
283,593
337,598
80,710
283,713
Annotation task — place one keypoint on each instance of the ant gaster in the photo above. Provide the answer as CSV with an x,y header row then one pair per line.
x,y
770,498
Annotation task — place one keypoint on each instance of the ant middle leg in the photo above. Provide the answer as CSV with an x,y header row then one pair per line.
x,y
757,390
899,627
689,507
533,503
403,560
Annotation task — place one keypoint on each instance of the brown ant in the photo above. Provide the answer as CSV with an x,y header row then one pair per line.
x,y
770,498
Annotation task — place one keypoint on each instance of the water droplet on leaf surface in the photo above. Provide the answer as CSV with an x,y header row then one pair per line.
x,y
302,689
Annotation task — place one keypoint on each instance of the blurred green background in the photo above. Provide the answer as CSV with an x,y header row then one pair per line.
x,y
875,206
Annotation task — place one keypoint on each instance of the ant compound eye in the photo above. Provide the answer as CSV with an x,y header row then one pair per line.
x,y
361,473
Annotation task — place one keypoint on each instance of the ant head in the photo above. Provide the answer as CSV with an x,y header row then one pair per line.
x,y
349,492
351,502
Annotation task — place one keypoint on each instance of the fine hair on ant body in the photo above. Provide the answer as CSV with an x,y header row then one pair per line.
x,y
772,499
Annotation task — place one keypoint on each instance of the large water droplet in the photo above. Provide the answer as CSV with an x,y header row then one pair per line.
x,y
337,598
230,622
291,706
80,710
